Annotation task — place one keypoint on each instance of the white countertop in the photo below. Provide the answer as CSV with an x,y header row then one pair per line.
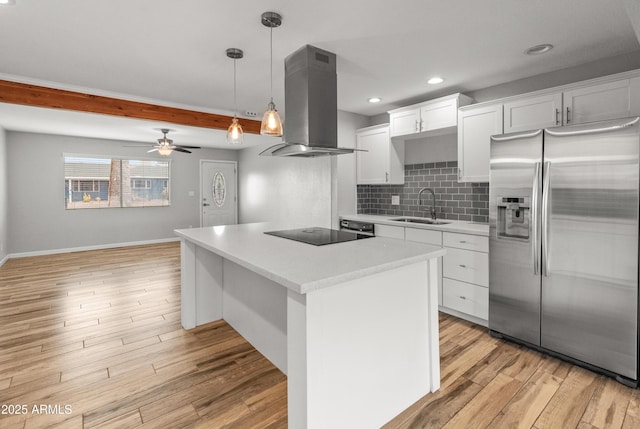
x,y
303,267
454,225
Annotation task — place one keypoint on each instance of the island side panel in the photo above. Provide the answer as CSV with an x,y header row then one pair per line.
x,y
296,359
256,307
434,346
368,347
201,285
188,284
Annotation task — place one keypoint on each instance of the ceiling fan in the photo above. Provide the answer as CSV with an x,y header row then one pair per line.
x,y
165,145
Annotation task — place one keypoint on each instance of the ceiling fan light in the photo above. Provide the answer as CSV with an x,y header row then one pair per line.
x,y
235,134
271,123
165,151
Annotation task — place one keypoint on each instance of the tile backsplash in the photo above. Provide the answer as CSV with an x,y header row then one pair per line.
x,y
456,201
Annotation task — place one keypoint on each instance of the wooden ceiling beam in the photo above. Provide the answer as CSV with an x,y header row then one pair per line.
x,y
41,96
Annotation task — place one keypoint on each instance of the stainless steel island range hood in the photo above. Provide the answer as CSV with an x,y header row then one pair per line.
x,y
311,103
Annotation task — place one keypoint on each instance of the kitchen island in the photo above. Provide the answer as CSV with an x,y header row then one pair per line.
x,y
353,325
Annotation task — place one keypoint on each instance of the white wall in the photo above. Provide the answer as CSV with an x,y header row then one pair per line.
x,y
36,215
431,149
3,196
348,123
291,189
309,191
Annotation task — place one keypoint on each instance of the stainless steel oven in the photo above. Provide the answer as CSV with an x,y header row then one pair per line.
x,y
366,228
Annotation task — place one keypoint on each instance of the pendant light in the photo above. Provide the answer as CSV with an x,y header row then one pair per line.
x,y
234,133
271,123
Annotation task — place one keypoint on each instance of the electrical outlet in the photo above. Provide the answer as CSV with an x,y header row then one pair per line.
x,y
395,200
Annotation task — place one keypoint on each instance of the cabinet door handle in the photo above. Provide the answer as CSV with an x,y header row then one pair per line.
x,y
417,126
421,122
462,265
206,205
463,297
386,177
463,241
557,116
568,119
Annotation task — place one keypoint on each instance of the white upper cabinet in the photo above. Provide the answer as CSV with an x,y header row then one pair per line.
x,y
439,114
404,122
476,125
596,100
431,117
609,100
577,105
530,113
380,160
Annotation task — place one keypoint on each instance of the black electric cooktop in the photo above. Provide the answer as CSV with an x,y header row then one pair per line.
x,y
318,236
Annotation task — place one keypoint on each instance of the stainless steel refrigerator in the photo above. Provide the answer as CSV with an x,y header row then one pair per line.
x,y
563,245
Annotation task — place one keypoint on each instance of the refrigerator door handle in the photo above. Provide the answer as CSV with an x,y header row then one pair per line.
x,y
545,219
535,250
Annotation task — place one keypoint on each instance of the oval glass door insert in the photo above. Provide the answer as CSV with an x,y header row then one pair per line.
x,y
219,189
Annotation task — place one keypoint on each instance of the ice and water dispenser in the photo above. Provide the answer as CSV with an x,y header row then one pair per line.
x,y
514,215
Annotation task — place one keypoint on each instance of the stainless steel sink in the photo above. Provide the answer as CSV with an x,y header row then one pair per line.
x,y
424,221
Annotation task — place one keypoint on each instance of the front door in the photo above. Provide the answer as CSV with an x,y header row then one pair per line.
x,y
218,190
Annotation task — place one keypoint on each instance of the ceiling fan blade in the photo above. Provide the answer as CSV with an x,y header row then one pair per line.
x,y
189,147
155,149
137,145
181,149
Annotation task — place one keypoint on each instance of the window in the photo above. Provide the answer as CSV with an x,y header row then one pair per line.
x,y
95,182
86,185
141,184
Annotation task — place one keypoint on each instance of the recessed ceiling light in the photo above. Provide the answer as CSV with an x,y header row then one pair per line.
x,y
435,80
539,49
8,2
375,100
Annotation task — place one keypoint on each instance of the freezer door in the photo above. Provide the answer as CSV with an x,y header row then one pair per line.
x,y
590,244
514,235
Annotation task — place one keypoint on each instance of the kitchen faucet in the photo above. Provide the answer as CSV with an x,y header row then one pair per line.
x,y
433,205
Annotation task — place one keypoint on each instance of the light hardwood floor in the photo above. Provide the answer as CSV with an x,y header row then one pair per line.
x,y
100,332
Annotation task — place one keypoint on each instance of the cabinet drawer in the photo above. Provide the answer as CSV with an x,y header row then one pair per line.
x,y
423,236
389,231
466,298
466,241
467,266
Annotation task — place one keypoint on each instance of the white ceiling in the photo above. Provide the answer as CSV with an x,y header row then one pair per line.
x,y
173,52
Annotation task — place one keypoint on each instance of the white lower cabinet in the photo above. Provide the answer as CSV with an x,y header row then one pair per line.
x,y
466,298
467,266
389,231
464,271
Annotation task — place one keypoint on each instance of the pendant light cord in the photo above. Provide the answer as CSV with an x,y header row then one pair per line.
x,y
271,60
235,101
